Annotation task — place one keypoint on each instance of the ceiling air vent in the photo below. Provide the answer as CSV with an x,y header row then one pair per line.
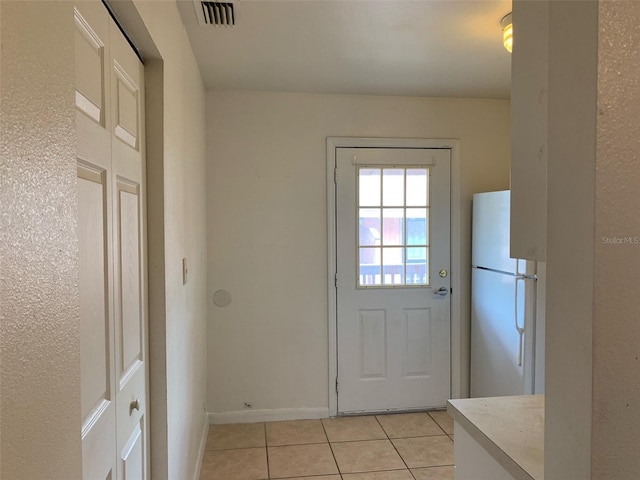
x,y
216,13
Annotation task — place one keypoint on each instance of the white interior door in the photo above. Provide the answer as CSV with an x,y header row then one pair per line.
x,y
393,283
127,79
111,229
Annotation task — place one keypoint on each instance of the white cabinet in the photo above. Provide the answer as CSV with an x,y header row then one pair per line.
x,y
473,462
499,438
529,81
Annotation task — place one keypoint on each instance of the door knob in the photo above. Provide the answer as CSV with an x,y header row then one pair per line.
x,y
135,405
442,291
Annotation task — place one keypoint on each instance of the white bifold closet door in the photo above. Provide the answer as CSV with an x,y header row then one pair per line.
x,y
112,253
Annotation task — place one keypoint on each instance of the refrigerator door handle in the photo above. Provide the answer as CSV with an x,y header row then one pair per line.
x,y
518,327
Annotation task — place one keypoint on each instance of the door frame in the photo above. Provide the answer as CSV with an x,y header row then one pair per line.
x,y
134,28
364,142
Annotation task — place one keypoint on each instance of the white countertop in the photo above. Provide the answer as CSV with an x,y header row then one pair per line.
x,y
511,429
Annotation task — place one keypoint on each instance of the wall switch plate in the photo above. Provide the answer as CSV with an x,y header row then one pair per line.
x,y
184,271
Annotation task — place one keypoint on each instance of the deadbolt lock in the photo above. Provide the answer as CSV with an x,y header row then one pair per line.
x,y
443,273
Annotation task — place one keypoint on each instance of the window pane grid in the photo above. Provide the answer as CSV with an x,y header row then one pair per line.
x,y
393,220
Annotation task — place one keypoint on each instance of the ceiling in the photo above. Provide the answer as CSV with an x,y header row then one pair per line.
x,y
443,48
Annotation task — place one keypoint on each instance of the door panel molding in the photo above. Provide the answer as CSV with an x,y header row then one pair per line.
x,y
90,81
111,192
333,143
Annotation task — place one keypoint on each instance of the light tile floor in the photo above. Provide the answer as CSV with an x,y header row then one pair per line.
x,y
406,446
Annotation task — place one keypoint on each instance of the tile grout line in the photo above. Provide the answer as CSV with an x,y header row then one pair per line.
x,y
266,450
394,447
437,423
445,433
331,448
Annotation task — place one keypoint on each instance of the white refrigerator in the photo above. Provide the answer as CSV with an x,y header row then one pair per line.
x,y
503,306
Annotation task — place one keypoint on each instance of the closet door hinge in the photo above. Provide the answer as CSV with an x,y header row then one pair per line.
x,y
337,385
335,175
335,280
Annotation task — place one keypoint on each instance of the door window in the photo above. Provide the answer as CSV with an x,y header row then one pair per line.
x,y
393,226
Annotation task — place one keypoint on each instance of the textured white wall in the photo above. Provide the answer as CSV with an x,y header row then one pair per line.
x,y
2,163
267,226
616,329
39,344
593,268
39,323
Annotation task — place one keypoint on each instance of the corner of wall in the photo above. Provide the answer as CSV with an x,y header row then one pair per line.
x,y
154,103
202,446
40,326
573,35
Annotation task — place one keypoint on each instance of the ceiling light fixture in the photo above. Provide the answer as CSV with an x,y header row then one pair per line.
x,y
507,32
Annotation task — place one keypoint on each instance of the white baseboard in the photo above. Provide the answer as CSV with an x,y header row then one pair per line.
x,y
201,450
270,415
